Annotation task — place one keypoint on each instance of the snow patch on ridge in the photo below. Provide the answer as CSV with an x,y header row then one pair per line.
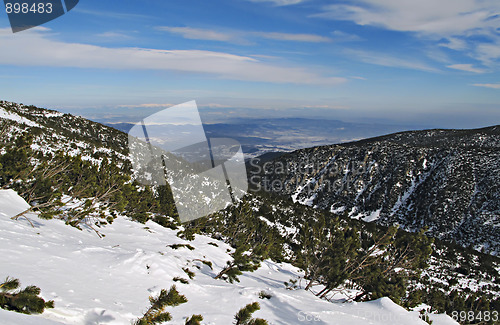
x,y
14,117
373,216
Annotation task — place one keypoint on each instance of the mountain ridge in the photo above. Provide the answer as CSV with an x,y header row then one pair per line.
x,y
404,178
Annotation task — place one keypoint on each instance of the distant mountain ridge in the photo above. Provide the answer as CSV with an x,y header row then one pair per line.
x,y
263,135
446,180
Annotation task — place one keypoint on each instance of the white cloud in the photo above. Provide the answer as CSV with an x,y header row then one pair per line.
x,y
113,35
443,18
280,2
198,33
451,22
454,44
36,48
488,53
389,61
437,54
239,36
494,86
466,67
112,14
341,36
293,37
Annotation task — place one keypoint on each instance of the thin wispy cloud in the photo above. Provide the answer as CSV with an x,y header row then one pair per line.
x,y
239,36
451,22
53,53
340,36
437,54
443,18
489,53
111,14
311,38
200,34
280,2
114,35
454,44
385,60
493,86
466,67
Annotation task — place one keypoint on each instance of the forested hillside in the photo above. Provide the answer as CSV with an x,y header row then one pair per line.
x,y
445,180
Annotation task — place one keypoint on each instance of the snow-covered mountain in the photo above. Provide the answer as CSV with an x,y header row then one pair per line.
x,y
53,130
446,180
102,270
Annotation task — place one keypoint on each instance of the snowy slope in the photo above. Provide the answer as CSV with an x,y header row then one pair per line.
x,y
108,280
15,117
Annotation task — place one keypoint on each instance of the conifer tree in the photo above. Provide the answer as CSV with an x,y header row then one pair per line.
x,y
243,261
156,314
380,263
244,315
194,320
325,251
401,256
15,159
26,301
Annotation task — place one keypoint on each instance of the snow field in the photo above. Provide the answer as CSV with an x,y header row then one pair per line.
x,y
108,280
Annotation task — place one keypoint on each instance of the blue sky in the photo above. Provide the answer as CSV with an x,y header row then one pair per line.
x,y
424,62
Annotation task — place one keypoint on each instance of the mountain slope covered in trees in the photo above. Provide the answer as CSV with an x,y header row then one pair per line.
x,y
446,180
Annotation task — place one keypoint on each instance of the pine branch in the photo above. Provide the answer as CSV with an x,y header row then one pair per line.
x,y
244,315
194,320
156,314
